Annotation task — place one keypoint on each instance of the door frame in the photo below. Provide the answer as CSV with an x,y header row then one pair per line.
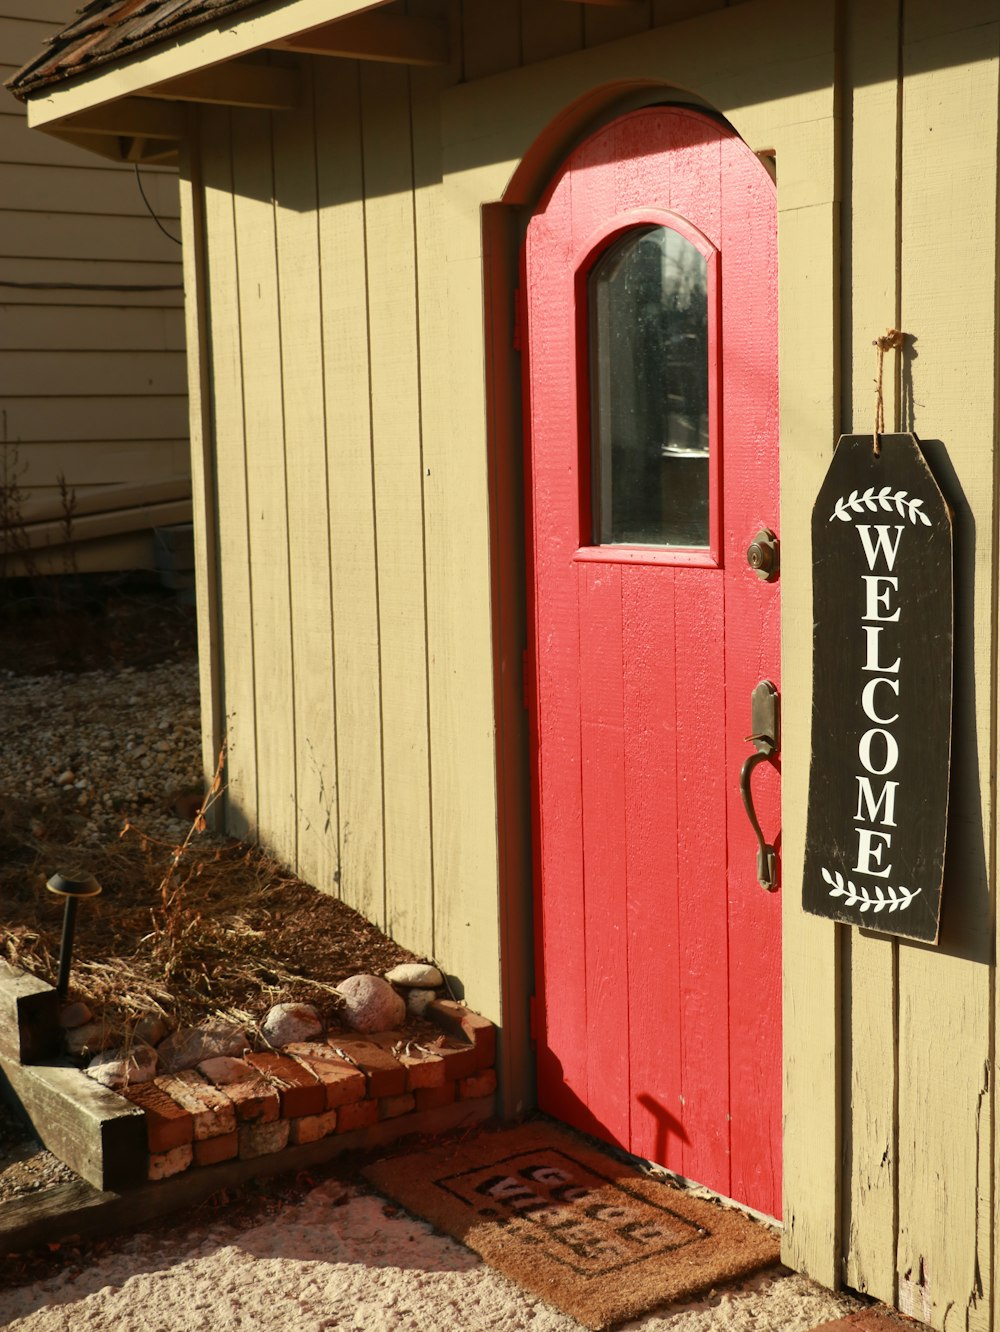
x,y
770,70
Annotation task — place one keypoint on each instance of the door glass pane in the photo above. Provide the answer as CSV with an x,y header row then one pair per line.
x,y
649,391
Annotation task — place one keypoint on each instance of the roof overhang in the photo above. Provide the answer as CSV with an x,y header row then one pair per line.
x,y
131,109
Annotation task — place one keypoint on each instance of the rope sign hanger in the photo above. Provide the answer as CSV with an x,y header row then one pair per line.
x,y
891,340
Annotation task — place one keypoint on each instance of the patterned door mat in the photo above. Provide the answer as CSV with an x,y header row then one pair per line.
x,y
586,1232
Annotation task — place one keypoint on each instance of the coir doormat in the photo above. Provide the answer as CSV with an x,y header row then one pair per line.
x,y
584,1231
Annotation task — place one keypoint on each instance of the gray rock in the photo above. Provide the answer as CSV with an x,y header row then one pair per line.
x,y
190,1045
418,975
91,1037
225,1071
151,1030
371,1004
116,1069
286,1023
417,1001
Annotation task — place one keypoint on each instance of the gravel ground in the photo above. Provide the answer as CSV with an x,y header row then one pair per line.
x,y
87,748
25,1165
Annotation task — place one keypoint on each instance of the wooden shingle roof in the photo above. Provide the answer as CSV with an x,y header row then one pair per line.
x,y
106,30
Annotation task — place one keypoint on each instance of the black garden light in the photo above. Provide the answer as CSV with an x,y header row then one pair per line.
x,y
72,890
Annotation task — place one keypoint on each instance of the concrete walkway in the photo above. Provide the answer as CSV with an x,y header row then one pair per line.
x,y
345,1258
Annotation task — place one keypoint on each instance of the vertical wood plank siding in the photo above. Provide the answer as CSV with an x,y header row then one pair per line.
x,y
267,517
350,484
918,1025
397,462
870,297
306,460
92,382
354,349
945,995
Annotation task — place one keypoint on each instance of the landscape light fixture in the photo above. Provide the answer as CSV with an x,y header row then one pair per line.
x,y
72,890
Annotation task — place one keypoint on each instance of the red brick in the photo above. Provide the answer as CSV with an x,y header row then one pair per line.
x,y
168,1125
358,1115
212,1112
481,1084
460,1021
391,1107
342,1081
164,1164
458,1057
301,1092
252,1096
213,1150
257,1139
385,1075
424,1066
432,1098
310,1128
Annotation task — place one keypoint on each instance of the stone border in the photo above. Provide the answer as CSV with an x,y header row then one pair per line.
x,y
266,1105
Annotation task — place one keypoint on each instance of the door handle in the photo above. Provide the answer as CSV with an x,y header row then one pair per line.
x,y
765,723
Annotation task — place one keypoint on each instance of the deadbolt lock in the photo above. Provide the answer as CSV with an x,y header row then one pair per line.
x,y
762,555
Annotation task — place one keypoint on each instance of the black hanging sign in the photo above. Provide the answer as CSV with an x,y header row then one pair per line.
x,y
882,681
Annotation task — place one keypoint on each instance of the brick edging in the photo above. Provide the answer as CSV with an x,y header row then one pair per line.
x,y
268,1103
279,1103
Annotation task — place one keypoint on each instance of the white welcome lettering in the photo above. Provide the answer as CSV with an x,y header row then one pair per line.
x,y
878,749
869,807
868,700
880,544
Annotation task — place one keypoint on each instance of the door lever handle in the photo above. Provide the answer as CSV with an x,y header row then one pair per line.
x,y
765,718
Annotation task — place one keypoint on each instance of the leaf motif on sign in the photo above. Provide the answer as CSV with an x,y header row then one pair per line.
x,y
893,899
886,499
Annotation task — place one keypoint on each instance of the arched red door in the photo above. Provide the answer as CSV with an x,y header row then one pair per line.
x,y
650,296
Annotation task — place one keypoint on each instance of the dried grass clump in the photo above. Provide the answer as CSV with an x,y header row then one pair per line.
x,y
207,928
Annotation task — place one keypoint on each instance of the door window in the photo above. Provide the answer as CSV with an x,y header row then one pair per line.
x,y
650,408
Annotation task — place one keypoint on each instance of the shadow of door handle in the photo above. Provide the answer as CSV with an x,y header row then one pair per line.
x,y
766,723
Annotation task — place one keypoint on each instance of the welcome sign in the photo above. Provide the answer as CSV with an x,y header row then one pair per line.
x,y
882,685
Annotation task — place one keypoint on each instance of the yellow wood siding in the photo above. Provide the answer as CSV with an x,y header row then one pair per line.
x,y
92,380
397,469
366,418
870,294
222,344
297,244
354,584
945,995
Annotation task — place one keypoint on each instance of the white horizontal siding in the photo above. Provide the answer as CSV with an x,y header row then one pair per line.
x,y
92,370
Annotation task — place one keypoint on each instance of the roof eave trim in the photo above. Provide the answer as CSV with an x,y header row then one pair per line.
x,y
199,48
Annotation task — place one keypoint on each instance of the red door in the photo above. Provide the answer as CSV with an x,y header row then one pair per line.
x,y
650,282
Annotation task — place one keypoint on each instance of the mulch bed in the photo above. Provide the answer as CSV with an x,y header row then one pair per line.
x,y
236,934
223,928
